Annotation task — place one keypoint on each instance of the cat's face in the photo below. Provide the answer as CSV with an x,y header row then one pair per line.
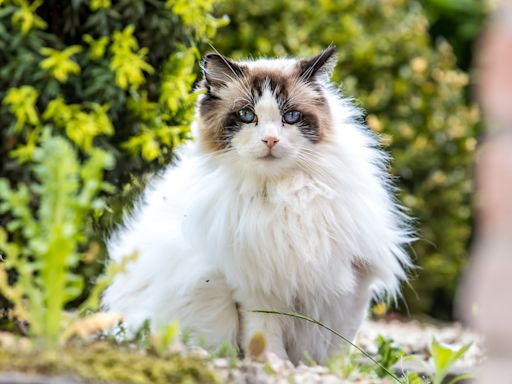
x,y
265,114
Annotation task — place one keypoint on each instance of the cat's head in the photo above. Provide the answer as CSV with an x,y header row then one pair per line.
x,y
266,115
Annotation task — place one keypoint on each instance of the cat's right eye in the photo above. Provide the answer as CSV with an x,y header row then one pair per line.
x,y
246,115
291,117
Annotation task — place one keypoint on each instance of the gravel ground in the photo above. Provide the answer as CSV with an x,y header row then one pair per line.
x,y
413,337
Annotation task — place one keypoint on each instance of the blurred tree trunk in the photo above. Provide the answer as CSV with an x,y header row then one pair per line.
x,y
487,294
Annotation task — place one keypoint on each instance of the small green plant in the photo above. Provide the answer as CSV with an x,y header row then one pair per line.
x,y
388,355
161,340
38,277
348,364
226,350
413,378
443,358
186,337
141,336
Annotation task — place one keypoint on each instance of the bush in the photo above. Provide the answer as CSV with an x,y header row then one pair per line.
x,y
460,22
414,98
47,250
86,87
116,75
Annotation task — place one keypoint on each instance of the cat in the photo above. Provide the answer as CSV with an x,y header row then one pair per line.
x,y
282,202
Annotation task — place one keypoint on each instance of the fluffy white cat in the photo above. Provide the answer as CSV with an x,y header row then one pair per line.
x,y
282,202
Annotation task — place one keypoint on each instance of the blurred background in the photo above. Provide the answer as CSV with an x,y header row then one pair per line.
x,y
115,77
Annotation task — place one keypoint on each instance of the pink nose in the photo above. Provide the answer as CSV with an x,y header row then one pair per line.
x,y
270,141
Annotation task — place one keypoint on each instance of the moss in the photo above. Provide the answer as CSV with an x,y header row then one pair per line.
x,y
103,362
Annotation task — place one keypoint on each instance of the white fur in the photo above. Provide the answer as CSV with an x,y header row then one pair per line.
x,y
314,231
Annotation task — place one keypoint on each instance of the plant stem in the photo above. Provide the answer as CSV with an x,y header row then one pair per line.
x,y
307,318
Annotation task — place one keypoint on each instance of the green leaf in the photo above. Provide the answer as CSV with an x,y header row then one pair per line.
x,y
443,358
74,287
461,377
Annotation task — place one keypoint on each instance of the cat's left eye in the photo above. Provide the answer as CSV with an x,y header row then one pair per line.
x,y
246,115
291,117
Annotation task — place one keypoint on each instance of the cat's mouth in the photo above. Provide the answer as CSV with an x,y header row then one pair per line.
x,y
268,156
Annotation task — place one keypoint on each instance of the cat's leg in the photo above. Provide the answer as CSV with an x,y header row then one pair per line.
x,y
170,281
342,313
189,291
208,311
271,325
347,315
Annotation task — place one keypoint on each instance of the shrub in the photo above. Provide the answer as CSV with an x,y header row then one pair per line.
x,y
414,98
460,22
118,76
92,93
47,252
115,75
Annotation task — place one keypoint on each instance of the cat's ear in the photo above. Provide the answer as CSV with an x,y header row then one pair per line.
x,y
318,67
218,70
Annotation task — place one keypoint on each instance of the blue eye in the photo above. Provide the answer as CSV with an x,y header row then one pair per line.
x,y
291,117
246,115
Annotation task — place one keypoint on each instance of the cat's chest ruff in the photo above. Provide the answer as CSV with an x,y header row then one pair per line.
x,y
282,232
280,218
281,203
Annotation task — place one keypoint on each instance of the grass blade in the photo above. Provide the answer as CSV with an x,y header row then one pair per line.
x,y
307,318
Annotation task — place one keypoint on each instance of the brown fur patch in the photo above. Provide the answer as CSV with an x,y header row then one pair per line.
x,y
218,108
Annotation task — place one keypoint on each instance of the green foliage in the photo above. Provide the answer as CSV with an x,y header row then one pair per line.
x,y
165,337
226,350
460,22
101,363
93,94
413,378
25,17
80,126
443,358
348,365
21,102
414,96
49,249
59,63
128,61
116,75
388,355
